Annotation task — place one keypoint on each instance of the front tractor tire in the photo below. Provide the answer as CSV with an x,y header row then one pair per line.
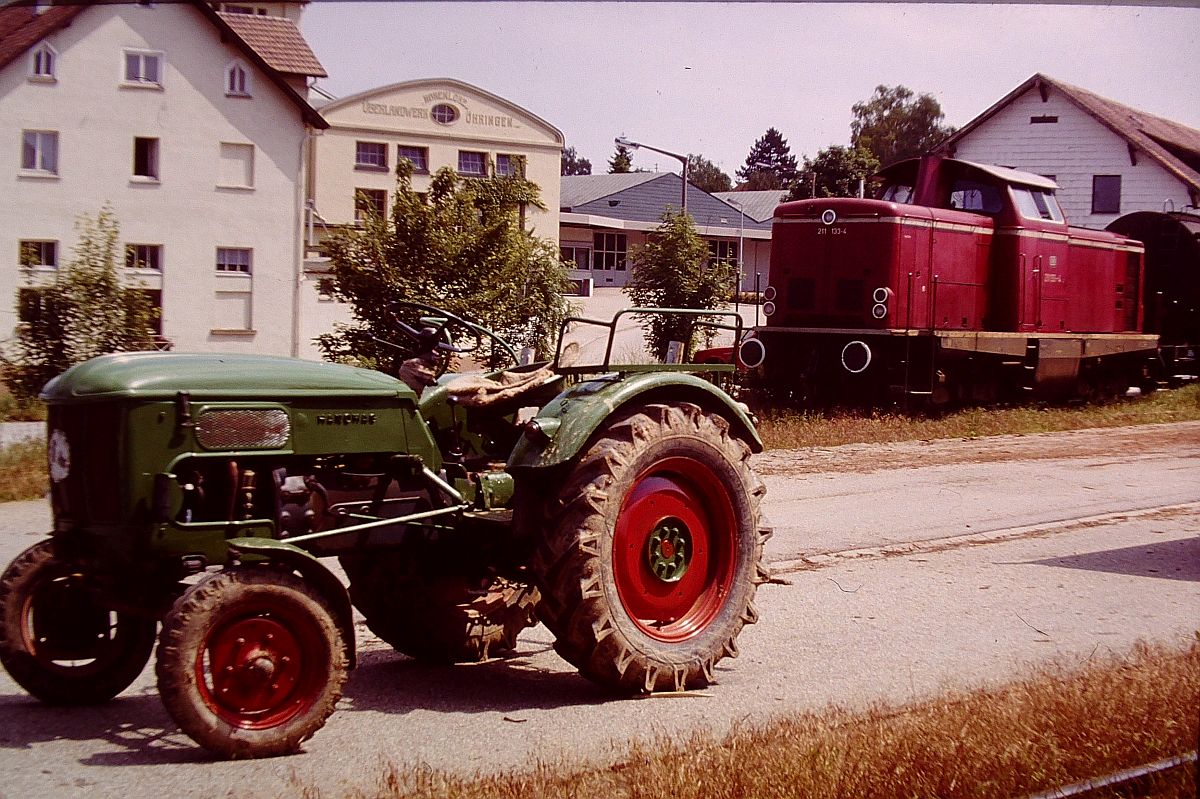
x,y
250,662
652,551
59,639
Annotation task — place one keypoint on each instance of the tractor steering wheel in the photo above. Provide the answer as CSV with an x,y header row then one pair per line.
x,y
442,332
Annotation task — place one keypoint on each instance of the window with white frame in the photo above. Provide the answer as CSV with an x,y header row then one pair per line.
x,y
143,256
371,155
472,163
576,257
237,80
510,165
143,67
39,151
368,201
236,169
35,254
726,251
234,260
43,61
418,156
609,251
145,157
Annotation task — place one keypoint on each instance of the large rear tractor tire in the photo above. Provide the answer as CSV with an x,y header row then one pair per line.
x,y
59,639
651,551
250,662
439,618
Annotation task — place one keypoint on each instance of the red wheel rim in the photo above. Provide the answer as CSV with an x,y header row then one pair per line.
x,y
259,670
676,504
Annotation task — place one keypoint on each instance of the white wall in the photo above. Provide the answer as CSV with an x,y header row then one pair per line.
x,y
186,211
1073,150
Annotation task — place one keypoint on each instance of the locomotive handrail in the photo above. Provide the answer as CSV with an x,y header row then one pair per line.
x,y
606,366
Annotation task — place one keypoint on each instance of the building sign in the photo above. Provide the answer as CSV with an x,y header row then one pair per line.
x,y
418,112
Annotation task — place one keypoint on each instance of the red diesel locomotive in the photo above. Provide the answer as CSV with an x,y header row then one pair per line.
x,y
963,282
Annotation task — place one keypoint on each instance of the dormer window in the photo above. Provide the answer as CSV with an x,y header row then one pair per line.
x,y
237,80
43,63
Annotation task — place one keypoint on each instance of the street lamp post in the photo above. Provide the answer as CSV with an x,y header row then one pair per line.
x,y
737,286
624,142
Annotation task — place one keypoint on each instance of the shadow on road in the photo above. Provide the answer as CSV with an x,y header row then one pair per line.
x,y
1168,560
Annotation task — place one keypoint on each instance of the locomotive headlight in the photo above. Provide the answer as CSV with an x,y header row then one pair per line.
x,y
768,308
881,296
769,294
752,353
879,310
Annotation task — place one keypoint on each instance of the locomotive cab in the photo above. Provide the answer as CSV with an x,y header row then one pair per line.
x,y
958,279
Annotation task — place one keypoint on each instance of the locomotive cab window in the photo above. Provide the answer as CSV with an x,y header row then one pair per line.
x,y
975,196
1037,204
897,193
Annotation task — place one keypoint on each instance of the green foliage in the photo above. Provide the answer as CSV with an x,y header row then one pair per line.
x,y
836,170
463,249
621,162
573,164
895,124
673,271
770,164
707,176
85,311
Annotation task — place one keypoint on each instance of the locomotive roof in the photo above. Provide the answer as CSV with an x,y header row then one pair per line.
x,y
1004,173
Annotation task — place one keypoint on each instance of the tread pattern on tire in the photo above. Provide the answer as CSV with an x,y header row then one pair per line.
x,y
133,639
576,525
184,632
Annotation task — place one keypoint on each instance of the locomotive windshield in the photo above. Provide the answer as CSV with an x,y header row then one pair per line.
x,y
973,195
897,193
1037,203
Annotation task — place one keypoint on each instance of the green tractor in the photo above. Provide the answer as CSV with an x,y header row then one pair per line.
x,y
194,496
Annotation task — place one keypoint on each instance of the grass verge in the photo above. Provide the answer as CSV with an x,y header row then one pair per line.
x,y
789,430
1055,727
23,471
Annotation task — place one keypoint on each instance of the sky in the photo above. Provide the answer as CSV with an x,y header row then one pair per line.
x,y
710,78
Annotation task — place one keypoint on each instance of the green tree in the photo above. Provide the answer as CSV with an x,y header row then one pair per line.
x,y
770,164
834,172
621,162
88,309
673,270
895,123
572,164
705,175
462,248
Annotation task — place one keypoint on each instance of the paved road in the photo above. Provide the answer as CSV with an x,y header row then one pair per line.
x,y
900,580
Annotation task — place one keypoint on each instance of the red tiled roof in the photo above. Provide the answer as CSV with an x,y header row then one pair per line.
x,y
1175,146
278,41
21,27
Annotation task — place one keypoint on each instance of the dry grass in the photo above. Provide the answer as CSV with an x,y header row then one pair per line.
x,y
23,471
1056,727
788,430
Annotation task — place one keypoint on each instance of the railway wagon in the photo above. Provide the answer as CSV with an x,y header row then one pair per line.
x,y
962,282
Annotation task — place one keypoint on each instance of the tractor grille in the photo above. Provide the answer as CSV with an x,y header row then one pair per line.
x,y
90,492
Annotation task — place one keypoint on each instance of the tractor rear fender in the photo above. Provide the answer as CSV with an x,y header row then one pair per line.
x,y
562,428
312,570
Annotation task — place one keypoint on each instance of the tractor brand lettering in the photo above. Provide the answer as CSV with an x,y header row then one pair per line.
x,y
346,418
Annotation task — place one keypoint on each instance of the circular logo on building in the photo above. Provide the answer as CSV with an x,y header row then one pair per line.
x,y
58,452
829,216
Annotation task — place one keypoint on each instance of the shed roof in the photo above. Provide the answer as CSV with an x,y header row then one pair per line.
x,y
1176,147
758,205
582,189
645,196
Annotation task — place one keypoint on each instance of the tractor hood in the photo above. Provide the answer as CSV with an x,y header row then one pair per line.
x,y
158,375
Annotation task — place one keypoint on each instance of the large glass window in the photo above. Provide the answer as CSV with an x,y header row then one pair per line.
x,y
1106,194
418,156
472,163
512,165
39,151
609,251
726,251
368,201
576,257
975,196
370,155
